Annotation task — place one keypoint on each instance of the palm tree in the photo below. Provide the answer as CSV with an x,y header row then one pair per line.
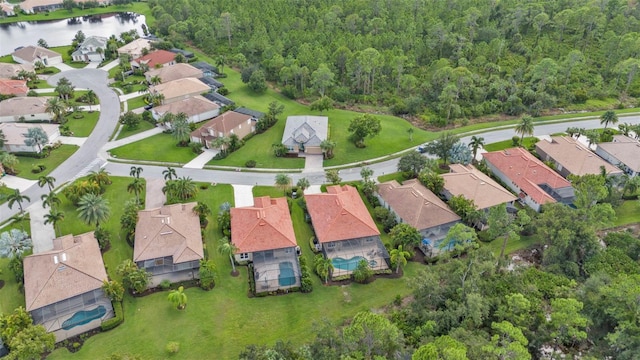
x,y
91,98
53,217
609,117
220,63
283,181
169,174
327,147
184,188
226,248
625,128
51,199
525,127
178,298
475,143
399,256
136,187
14,243
324,267
17,198
181,129
155,80
113,290
93,209
47,180
135,171
56,108
101,177
202,210
410,132
303,184
632,185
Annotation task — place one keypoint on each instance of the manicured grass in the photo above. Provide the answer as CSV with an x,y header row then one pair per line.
x,y
84,126
57,157
513,246
7,59
160,147
11,296
397,176
5,191
135,103
40,84
272,191
134,82
138,7
506,144
143,126
628,212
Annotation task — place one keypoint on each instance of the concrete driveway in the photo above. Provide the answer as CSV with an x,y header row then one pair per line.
x,y
154,197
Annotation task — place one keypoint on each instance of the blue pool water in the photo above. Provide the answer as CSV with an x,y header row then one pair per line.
x,y
287,276
346,264
84,317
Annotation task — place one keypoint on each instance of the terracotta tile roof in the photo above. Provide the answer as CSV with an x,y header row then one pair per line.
x,y
415,204
474,185
264,226
181,87
23,106
340,214
158,57
527,172
73,267
191,106
172,230
174,72
33,53
625,149
222,123
574,156
13,87
8,71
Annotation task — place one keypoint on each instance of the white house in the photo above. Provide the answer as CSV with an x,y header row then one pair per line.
x,y
623,152
32,54
14,134
92,49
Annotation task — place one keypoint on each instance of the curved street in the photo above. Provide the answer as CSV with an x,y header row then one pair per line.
x,y
87,157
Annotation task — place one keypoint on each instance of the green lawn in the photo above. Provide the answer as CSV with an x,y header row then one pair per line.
x,y
501,145
512,246
4,191
57,157
137,102
143,126
84,126
397,176
10,295
134,81
138,7
628,212
272,191
40,84
160,147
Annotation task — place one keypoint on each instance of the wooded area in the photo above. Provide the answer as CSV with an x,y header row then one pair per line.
x,y
441,60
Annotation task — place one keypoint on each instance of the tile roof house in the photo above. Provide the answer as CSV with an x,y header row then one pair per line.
x,y
7,8
414,204
8,71
571,157
180,89
91,50
224,125
32,54
29,108
63,287
175,72
197,108
263,234
135,48
14,134
168,243
623,152
303,134
158,58
34,6
473,184
13,87
345,231
535,183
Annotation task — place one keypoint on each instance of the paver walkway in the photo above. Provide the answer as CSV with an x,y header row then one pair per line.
x,y
201,160
42,234
154,198
243,195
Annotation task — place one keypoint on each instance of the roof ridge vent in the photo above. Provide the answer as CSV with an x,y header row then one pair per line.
x,y
166,233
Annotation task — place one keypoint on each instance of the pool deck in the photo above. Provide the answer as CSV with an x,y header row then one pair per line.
x,y
267,275
55,325
369,253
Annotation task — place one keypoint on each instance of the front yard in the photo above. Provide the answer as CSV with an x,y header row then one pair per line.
x,y
160,147
82,127
142,126
57,157
506,144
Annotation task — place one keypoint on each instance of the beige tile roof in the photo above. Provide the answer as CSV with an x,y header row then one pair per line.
x,y
264,226
191,106
73,267
474,185
14,132
340,214
415,204
174,72
23,106
135,47
222,123
181,87
172,230
625,149
8,71
33,53
574,156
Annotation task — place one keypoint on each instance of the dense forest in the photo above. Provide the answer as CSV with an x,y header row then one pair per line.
x,y
441,60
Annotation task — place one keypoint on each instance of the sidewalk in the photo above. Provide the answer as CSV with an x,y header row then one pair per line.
x,y
133,138
52,89
110,65
130,96
72,140
14,182
201,160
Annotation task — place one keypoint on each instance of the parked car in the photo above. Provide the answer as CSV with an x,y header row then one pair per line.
x,y
148,107
422,149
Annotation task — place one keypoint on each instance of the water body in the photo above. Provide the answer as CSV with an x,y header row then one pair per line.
x,y
61,32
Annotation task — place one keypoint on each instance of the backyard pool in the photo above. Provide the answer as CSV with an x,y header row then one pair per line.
x,y
84,317
287,276
346,264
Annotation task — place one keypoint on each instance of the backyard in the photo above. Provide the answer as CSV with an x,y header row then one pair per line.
x,y
10,294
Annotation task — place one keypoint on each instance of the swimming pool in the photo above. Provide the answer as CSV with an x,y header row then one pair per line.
x,y
346,264
287,276
84,317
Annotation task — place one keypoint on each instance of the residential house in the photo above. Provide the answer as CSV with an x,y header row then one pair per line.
x,y
623,152
7,9
175,72
155,59
412,203
14,134
534,182
91,50
197,108
24,109
180,89
219,99
34,6
223,126
263,235
207,69
570,157
13,87
168,243
10,71
32,54
303,134
63,287
136,48
345,231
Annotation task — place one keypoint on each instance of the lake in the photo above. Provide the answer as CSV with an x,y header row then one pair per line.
x,y
62,32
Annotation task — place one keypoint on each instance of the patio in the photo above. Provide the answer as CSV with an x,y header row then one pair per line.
x,y
274,273
346,254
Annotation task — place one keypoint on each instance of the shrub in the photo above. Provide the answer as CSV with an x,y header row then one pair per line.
x,y
306,284
515,141
173,347
116,320
223,91
103,237
196,147
250,164
165,284
38,168
207,274
204,186
362,273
